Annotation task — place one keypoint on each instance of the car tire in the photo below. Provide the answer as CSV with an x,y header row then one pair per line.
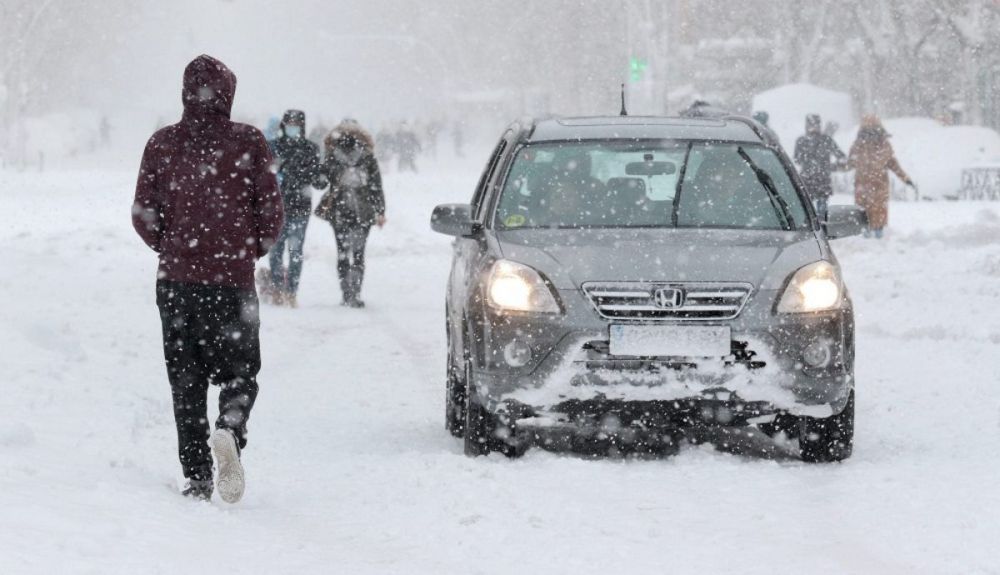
x,y
481,427
478,429
454,418
828,439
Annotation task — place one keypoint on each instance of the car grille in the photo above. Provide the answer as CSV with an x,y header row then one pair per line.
x,y
638,300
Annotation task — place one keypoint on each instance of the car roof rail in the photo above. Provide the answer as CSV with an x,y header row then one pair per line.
x,y
529,123
523,124
765,134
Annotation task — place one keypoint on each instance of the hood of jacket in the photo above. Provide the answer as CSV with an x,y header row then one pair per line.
x,y
872,130
297,117
209,88
348,130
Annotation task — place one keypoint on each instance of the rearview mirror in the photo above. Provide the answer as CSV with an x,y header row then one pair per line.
x,y
650,168
845,221
453,220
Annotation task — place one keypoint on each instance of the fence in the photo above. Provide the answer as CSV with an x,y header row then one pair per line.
x,y
980,183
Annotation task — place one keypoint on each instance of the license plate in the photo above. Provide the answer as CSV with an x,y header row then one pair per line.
x,y
670,340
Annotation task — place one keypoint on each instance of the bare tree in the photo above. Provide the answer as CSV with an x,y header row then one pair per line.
x,y
21,24
969,23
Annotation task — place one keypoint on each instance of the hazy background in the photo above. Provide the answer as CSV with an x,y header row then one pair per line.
x,y
66,64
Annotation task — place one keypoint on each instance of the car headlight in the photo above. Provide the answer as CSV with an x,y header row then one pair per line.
x,y
517,287
815,287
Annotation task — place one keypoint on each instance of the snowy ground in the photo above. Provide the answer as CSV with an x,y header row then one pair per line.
x,y
350,469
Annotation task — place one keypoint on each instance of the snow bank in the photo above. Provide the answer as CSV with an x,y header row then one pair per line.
x,y
788,106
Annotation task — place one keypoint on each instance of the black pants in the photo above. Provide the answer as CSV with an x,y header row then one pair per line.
x,y
822,207
210,336
351,240
820,189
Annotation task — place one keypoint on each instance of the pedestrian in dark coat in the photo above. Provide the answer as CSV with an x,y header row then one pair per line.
x,y
407,146
298,171
208,203
872,158
385,147
814,153
353,204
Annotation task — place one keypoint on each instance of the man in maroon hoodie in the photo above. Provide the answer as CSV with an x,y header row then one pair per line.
x,y
208,203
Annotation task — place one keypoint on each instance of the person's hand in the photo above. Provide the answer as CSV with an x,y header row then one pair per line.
x,y
913,186
380,220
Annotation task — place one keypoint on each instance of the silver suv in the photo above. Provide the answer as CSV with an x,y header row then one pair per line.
x,y
625,283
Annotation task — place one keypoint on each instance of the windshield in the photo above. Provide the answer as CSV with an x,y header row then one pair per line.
x,y
608,184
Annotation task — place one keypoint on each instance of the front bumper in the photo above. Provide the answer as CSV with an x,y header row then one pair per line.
x,y
571,379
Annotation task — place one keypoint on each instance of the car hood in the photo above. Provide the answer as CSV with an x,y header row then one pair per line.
x,y
570,257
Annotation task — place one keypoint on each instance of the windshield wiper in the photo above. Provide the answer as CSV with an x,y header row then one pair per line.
x,y
777,202
676,207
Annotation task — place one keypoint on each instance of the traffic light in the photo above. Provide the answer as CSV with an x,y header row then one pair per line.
x,y
636,68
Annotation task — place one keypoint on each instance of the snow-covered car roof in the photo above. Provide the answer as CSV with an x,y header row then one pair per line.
x,y
643,128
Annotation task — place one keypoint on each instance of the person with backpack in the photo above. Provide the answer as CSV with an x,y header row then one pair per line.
x,y
299,170
353,203
814,153
207,202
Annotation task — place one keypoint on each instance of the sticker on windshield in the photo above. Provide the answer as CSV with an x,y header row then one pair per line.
x,y
515,221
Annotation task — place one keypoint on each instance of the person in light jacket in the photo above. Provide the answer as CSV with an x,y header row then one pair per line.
x,y
872,158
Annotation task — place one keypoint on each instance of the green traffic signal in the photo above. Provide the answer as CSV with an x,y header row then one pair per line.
x,y
636,68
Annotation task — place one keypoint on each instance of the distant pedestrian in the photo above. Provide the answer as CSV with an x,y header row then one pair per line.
x,y
385,147
763,118
703,109
298,164
458,139
353,204
208,203
407,146
814,153
872,157
432,132
273,128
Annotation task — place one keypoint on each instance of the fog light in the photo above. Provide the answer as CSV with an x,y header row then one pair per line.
x,y
723,415
517,353
817,354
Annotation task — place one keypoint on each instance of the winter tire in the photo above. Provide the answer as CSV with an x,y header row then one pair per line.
x,y
454,420
478,429
483,431
828,439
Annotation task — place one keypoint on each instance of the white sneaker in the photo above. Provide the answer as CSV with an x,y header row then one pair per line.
x,y
229,471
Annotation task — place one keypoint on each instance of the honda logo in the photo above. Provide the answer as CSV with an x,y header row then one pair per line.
x,y
668,298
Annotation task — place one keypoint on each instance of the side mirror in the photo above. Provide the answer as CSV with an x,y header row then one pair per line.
x,y
845,221
453,220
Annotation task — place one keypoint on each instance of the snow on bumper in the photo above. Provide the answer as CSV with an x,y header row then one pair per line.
x,y
570,370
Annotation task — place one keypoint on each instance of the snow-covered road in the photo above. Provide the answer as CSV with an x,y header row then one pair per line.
x,y
350,469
